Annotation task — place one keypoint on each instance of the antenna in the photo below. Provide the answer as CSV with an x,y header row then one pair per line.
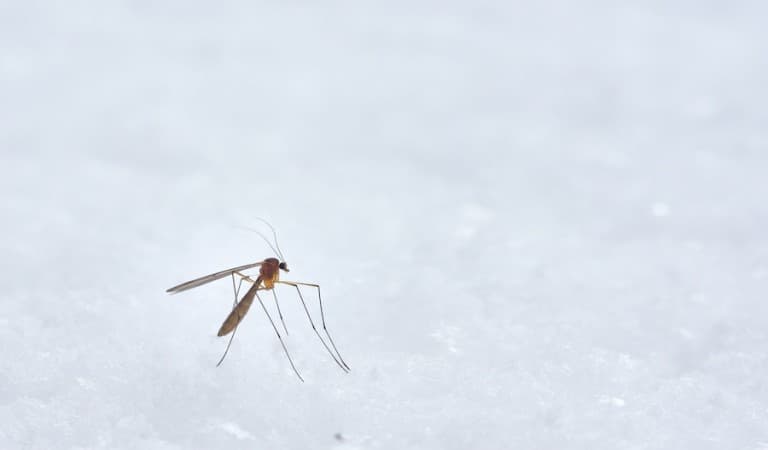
x,y
261,235
274,235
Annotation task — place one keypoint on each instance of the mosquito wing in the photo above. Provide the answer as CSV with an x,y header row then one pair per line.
x,y
208,278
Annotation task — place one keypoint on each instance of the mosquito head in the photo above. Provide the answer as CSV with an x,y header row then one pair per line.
x,y
284,266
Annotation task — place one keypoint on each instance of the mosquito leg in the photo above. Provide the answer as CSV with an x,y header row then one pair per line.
x,y
285,349
244,277
322,316
312,322
279,313
236,291
250,280
227,349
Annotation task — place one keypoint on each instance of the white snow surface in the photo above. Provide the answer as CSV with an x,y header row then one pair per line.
x,y
538,225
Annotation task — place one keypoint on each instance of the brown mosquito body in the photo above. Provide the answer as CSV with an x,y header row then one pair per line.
x,y
269,274
268,278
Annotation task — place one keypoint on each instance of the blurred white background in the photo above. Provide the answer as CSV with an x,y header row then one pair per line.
x,y
537,225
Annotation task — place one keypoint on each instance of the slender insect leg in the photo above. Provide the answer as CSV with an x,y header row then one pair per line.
x,y
285,349
250,280
322,317
325,328
244,277
236,290
279,313
314,328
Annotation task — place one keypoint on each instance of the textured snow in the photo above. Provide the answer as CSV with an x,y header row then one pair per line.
x,y
537,225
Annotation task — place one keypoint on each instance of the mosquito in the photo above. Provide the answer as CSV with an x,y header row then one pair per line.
x,y
269,276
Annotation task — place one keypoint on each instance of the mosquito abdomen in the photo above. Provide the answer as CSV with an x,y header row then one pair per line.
x,y
237,314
